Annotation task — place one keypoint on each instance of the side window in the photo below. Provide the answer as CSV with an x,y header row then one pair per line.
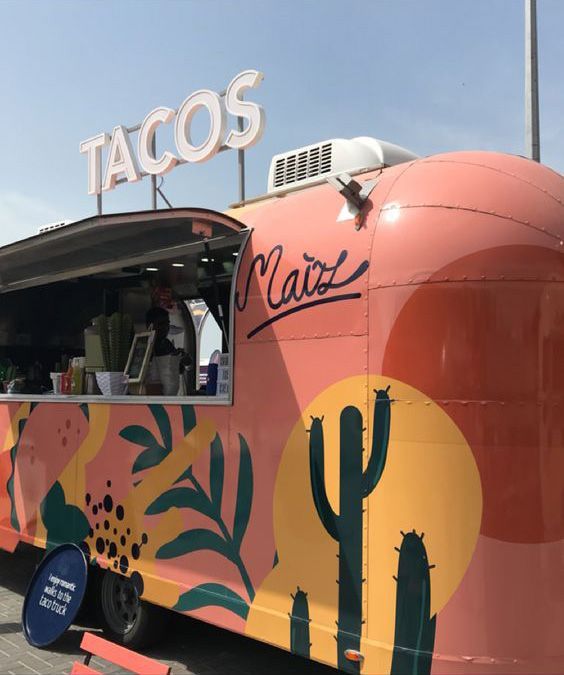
x,y
184,298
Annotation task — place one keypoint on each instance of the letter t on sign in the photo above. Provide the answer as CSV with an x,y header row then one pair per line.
x,y
93,147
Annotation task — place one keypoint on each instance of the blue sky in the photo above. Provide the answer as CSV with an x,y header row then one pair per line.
x,y
432,76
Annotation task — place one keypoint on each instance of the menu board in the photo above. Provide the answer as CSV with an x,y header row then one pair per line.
x,y
139,356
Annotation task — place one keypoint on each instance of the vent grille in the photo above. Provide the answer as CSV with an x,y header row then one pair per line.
x,y
53,226
300,166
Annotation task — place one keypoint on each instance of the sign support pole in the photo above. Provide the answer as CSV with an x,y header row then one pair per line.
x,y
241,162
532,143
153,177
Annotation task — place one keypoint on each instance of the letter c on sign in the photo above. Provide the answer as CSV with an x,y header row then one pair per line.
x,y
212,102
147,159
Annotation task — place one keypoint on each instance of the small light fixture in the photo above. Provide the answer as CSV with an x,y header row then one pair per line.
x,y
152,269
354,656
235,253
205,259
178,264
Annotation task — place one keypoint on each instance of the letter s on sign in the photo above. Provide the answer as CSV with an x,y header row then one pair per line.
x,y
249,79
204,98
147,159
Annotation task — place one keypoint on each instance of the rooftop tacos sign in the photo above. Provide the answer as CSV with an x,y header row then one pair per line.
x,y
123,162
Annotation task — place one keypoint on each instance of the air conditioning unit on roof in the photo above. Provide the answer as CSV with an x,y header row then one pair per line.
x,y
314,163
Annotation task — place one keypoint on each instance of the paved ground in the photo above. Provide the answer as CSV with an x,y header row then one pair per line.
x,y
190,647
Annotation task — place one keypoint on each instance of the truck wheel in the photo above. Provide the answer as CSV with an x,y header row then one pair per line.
x,y
127,619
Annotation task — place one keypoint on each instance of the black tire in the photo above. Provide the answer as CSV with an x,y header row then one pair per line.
x,y
128,620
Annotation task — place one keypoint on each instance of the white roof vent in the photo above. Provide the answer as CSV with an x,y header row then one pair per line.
x,y
54,226
313,163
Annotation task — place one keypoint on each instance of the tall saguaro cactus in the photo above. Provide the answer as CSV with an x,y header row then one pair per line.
x,y
415,628
346,527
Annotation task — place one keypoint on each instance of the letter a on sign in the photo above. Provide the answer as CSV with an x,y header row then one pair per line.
x,y
120,159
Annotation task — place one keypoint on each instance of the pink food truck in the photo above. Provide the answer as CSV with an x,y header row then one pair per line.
x,y
375,479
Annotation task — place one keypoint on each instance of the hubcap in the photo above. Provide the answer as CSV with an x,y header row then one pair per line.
x,y
120,603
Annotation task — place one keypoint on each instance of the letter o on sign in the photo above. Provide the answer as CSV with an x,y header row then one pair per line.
x,y
214,105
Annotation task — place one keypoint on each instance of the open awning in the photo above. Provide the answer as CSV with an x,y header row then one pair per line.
x,y
101,243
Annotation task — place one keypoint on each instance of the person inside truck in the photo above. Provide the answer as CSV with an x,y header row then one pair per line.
x,y
168,361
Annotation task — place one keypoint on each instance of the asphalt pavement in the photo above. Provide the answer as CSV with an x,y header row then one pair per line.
x,y
190,646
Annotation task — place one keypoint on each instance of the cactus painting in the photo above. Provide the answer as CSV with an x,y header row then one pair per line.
x,y
299,624
337,517
346,528
415,628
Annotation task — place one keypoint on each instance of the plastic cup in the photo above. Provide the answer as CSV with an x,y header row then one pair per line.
x,y
56,380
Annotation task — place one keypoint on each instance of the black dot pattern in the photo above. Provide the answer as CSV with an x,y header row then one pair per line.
x,y
120,547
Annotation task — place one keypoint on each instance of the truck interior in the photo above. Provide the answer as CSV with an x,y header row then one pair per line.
x,y
54,284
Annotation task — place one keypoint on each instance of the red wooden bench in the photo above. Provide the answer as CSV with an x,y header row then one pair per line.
x,y
125,658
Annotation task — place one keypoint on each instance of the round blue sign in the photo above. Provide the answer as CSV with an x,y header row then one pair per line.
x,y
54,595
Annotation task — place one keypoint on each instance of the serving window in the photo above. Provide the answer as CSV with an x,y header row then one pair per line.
x,y
151,325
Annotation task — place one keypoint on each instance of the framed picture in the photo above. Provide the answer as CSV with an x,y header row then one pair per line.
x,y
139,356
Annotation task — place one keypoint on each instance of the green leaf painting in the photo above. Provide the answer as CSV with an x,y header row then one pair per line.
x,y
215,595
184,475
216,472
154,452
65,523
223,540
150,457
195,540
244,494
161,418
139,435
182,497
10,484
188,418
220,539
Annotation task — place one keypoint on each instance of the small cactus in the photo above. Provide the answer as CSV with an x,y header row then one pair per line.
x,y
415,628
115,338
355,485
299,624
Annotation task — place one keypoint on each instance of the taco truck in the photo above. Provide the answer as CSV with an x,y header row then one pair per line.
x,y
378,483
